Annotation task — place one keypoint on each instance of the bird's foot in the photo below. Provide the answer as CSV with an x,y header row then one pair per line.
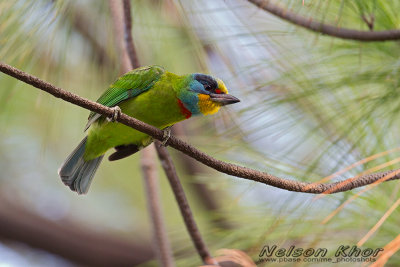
x,y
116,114
166,136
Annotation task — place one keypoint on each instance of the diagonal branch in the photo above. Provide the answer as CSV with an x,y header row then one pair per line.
x,y
228,168
183,204
317,26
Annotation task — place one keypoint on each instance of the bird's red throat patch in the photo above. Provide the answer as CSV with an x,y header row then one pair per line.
x,y
184,110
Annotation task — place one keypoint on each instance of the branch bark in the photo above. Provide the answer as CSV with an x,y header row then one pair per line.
x,y
208,198
224,167
183,204
317,26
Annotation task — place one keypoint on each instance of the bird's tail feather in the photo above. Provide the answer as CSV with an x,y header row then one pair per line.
x,y
76,172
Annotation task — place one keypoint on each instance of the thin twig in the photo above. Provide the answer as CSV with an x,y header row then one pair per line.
x,y
206,196
369,21
128,34
221,166
183,204
317,26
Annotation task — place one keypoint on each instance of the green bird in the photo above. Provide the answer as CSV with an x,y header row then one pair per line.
x,y
152,95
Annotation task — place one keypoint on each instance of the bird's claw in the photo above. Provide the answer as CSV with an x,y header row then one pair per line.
x,y
166,136
116,114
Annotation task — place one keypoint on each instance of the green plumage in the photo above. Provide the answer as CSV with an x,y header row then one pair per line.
x,y
148,94
129,85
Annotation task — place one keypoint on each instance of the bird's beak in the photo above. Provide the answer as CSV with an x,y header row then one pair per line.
x,y
224,99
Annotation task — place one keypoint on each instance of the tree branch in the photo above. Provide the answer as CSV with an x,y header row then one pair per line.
x,y
183,204
148,165
317,26
128,34
228,168
204,195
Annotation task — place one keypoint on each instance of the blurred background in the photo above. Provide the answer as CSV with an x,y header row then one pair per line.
x,y
310,106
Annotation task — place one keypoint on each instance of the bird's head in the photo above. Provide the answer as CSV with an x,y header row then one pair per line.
x,y
205,95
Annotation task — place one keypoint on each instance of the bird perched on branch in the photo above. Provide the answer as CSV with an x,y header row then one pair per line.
x,y
149,94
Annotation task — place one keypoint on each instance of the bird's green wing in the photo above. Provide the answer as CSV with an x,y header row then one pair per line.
x,y
127,86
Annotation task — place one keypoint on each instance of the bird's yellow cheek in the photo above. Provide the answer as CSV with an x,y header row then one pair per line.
x,y
207,106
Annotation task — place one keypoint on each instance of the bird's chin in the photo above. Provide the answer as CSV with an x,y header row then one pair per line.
x,y
224,99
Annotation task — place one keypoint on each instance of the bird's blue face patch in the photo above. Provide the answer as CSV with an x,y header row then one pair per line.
x,y
190,97
199,85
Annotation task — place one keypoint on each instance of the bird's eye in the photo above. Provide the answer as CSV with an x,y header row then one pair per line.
x,y
207,87
208,82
